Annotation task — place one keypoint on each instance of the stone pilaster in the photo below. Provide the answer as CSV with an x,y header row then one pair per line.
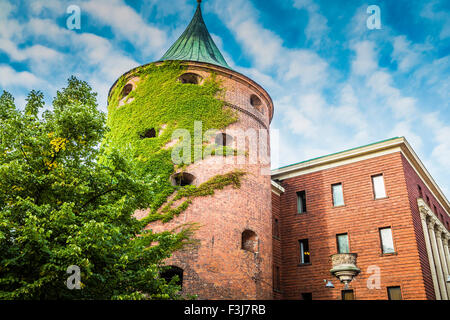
x,y
439,233
437,260
423,218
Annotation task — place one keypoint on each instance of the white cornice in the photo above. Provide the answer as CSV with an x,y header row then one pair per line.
x,y
367,152
276,188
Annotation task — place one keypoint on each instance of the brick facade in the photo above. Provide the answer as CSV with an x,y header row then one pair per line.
x,y
218,267
360,217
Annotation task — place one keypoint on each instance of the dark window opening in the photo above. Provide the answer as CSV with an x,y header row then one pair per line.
x,y
307,296
149,133
435,209
256,102
249,241
276,227
428,201
348,295
172,272
182,179
304,251
301,202
190,78
394,293
126,90
276,278
420,191
223,139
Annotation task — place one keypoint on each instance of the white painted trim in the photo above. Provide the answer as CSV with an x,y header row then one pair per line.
x,y
368,152
276,188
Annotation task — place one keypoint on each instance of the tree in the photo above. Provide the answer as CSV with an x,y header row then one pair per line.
x,y
67,198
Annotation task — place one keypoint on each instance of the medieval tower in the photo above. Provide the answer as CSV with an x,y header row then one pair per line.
x,y
227,193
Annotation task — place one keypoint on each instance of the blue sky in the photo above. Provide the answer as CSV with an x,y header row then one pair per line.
x,y
335,83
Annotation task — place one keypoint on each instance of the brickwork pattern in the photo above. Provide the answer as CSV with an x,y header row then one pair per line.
x,y
360,217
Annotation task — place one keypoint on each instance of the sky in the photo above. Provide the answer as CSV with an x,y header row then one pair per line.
x,y
336,83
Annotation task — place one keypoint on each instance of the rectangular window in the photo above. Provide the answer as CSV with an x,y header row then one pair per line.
x,y
428,201
301,202
307,296
387,243
338,196
435,209
394,293
276,280
420,191
342,243
347,295
276,227
378,186
304,251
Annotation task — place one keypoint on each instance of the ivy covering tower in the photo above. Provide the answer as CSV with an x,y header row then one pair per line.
x,y
193,91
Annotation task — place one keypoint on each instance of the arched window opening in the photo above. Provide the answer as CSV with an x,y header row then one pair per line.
x,y
173,271
223,139
182,179
149,133
191,78
249,241
255,101
126,90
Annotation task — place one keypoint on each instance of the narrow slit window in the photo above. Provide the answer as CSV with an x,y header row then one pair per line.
x,y
301,202
379,189
304,251
276,231
420,191
338,194
276,280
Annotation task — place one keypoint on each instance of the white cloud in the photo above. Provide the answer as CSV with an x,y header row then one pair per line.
x,y
11,78
366,58
317,28
127,24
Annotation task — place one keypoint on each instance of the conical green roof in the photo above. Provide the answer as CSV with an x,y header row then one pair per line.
x,y
196,44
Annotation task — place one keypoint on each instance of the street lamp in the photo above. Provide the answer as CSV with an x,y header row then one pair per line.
x,y
328,284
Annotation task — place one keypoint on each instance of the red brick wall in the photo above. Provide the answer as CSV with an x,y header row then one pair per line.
x,y
413,181
277,262
218,268
361,218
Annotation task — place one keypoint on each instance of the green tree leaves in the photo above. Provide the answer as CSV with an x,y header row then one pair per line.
x,y
65,200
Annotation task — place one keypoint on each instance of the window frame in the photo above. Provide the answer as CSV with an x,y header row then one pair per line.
x,y
276,226
304,207
337,242
381,241
394,287
332,195
277,279
373,186
302,254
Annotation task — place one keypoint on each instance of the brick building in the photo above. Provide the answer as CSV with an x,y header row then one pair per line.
x,y
377,201
277,236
